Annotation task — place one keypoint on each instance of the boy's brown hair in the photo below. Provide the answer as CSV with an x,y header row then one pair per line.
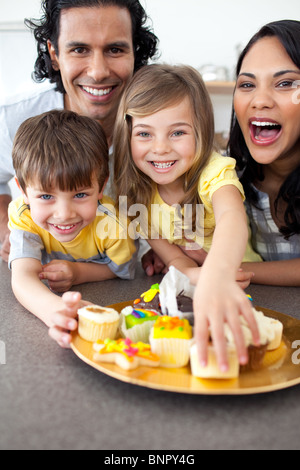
x,y
60,149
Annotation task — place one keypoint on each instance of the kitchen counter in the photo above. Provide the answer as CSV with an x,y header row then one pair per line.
x,y
50,399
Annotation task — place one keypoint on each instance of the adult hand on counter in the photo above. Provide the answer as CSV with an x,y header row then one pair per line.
x,y
152,264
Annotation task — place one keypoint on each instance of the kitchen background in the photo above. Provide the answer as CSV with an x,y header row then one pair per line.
x,y
206,35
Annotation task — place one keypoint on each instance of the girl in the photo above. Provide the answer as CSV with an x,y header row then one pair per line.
x,y
164,159
265,141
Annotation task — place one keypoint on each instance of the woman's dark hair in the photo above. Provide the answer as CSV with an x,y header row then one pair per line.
x,y
288,33
47,28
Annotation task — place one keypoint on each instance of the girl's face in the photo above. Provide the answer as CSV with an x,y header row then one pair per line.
x,y
163,144
267,103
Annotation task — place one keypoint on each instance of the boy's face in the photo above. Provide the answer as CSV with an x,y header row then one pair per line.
x,y
63,213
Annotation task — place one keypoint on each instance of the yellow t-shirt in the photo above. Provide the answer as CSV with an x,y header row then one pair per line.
x,y
104,241
174,222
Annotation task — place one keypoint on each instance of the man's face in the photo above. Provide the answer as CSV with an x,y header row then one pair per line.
x,y
95,59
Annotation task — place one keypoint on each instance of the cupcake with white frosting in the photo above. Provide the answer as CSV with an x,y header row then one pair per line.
x,y
95,322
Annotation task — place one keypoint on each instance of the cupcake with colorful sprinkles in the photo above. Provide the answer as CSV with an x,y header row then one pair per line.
x,y
170,339
136,323
125,353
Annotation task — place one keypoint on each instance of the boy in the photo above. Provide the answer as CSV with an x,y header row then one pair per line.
x,y
60,231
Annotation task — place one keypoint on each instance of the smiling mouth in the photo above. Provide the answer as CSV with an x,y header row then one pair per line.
x,y
96,91
65,228
163,165
265,132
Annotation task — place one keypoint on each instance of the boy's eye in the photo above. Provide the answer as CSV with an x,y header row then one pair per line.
x,y
46,197
80,195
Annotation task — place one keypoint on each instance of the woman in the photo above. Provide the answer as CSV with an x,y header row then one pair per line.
x,y
265,141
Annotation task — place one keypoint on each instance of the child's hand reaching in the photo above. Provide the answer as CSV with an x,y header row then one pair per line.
x,y
65,321
217,301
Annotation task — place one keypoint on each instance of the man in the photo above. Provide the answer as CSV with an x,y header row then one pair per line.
x,y
89,49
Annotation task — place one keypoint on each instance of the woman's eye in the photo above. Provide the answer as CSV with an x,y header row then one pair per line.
x,y
286,84
246,86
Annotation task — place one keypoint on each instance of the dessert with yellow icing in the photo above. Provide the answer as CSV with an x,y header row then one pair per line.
x,y
136,323
170,339
95,322
125,353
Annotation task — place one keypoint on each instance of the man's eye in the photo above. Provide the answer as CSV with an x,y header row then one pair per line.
x,y
79,50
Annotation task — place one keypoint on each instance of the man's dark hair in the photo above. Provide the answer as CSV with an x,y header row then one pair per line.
x,y
47,28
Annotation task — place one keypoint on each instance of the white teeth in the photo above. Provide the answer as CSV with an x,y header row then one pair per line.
x,y
262,124
96,92
163,165
64,227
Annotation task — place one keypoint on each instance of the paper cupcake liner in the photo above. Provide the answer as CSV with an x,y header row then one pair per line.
x,y
137,333
92,331
173,352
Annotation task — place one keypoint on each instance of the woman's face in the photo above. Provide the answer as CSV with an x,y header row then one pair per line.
x,y
267,102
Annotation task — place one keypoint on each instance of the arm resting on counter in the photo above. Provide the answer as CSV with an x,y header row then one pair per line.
x,y
275,273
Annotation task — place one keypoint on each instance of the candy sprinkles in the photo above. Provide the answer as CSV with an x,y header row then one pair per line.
x,y
141,313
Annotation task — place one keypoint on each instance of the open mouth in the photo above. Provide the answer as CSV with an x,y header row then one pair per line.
x,y
163,165
265,132
65,229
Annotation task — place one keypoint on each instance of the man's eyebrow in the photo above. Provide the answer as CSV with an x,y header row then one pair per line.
x,y
118,44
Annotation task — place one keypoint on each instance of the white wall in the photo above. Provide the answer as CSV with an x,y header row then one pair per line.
x,y
194,32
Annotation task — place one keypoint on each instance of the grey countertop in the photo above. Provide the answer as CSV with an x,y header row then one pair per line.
x,y
50,399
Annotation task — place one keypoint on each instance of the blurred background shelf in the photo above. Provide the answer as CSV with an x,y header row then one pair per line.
x,y
220,88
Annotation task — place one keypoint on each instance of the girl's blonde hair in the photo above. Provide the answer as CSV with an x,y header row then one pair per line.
x,y
153,88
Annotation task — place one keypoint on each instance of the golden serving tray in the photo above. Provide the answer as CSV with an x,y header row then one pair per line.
x,y
278,371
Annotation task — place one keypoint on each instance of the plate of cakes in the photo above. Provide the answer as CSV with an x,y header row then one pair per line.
x,y
149,342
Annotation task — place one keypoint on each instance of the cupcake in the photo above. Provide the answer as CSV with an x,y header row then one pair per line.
x,y
136,323
149,300
212,370
270,336
125,353
97,323
170,339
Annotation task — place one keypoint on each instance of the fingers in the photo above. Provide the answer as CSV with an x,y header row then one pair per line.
x,y
152,264
61,331
244,278
5,249
212,324
202,337
58,275
65,321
